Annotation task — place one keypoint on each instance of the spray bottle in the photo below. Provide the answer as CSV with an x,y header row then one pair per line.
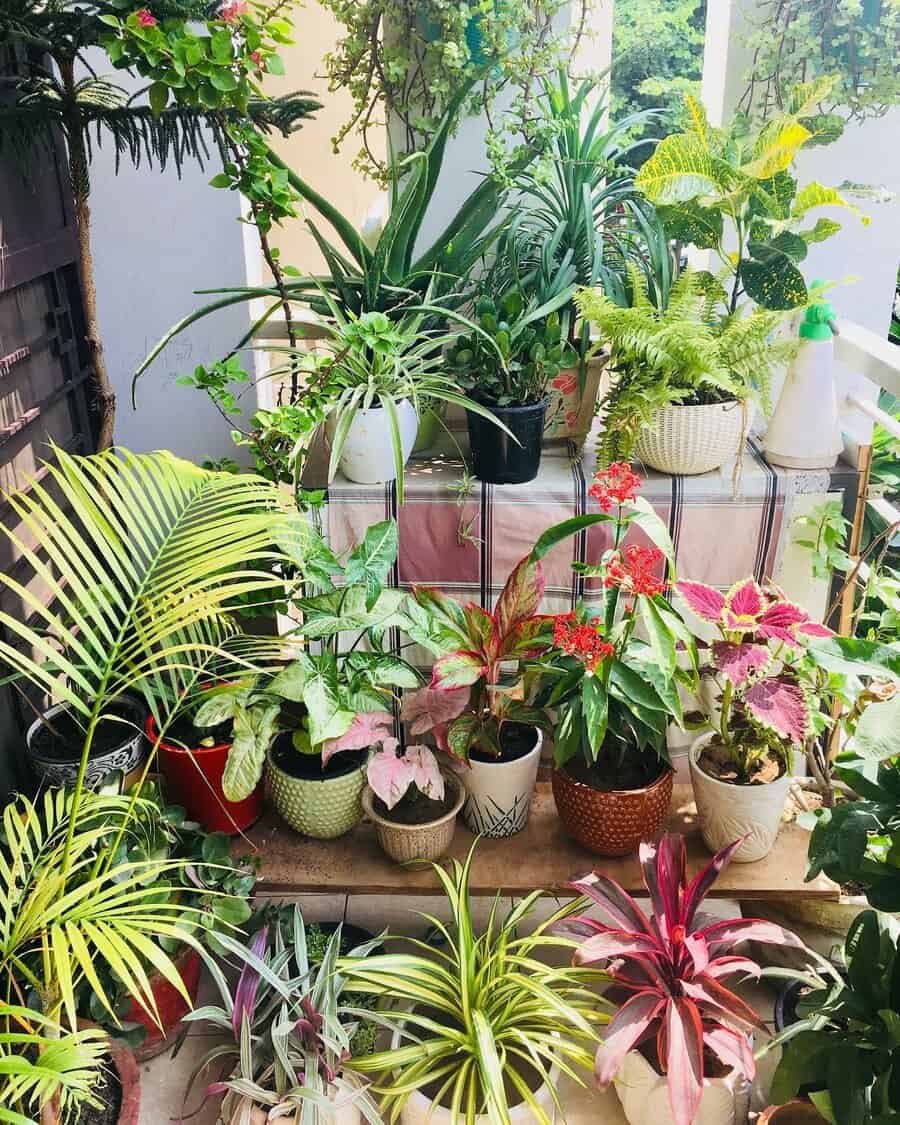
x,y
805,431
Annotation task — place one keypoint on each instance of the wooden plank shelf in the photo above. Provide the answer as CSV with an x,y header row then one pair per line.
x,y
541,857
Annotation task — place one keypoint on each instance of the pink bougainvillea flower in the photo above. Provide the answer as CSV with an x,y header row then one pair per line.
x,y
232,10
145,18
739,662
390,774
780,705
428,708
367,729
706,601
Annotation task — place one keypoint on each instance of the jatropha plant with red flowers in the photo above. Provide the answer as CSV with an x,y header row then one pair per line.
x,y
758,663
671,965
612,672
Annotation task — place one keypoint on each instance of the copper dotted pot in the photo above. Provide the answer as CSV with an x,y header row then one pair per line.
x,y
612,822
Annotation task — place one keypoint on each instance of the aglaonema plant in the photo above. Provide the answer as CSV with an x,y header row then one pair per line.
x,y
672,965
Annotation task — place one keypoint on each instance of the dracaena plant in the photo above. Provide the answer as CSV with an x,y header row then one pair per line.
x,y
287,1029
672,965
613,692
765,704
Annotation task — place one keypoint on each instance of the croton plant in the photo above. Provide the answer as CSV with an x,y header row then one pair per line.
x,y
765,704
671,964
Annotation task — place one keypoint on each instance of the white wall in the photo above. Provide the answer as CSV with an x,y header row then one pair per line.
x,y
156,239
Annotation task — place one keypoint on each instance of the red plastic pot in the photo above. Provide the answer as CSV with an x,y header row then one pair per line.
x,y
194,781
170,1004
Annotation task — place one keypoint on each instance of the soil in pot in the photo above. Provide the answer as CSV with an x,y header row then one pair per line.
x,y
416,808
610,774
716,762
109,1091
62,737
308,767
516,740
183,733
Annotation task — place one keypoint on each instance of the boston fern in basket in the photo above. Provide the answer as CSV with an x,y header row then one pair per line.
x,y
672,964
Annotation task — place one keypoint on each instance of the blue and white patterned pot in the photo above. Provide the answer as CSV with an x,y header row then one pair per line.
x,y
127,756
499,793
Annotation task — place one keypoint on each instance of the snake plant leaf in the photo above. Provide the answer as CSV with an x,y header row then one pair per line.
x,y
771,278
682,168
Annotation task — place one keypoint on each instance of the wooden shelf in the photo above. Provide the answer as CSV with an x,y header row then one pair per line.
x,y
541,857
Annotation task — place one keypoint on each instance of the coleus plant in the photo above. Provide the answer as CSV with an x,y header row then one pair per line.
x,y
612,690
765,704
672,966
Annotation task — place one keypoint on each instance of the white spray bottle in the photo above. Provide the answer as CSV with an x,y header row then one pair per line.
x,y
805,431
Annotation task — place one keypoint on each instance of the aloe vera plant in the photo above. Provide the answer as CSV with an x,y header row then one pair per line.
x,y
672,965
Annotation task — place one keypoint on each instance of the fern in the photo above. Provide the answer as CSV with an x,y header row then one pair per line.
x,y
688,351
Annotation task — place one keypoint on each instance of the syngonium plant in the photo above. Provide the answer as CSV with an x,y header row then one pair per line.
x,y
734,191
672,964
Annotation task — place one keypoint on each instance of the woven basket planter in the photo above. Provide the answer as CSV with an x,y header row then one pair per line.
x,y
687,440
407,843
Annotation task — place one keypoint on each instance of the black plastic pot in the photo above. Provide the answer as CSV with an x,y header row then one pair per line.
x,y
496,458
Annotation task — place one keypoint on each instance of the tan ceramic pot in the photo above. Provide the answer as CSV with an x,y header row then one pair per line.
x,y
612,822
406,843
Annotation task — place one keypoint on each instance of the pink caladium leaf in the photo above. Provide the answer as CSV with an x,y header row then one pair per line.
x,y
745,600
367,729
779,706
388,774
705,601
426,772
738,662
457,669
520,597
429,708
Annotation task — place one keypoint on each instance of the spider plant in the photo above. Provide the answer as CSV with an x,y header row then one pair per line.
x,y
370,361
143,556
481,1012
64,919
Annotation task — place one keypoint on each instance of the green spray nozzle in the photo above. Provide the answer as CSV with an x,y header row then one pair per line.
x,y
819,321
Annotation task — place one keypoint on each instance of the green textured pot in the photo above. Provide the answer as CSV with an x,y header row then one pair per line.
x,y
321,807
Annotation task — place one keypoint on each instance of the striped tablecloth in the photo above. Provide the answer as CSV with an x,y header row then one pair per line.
x,y
466,540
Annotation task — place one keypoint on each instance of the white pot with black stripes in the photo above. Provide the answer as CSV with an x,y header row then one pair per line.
x,y
499,790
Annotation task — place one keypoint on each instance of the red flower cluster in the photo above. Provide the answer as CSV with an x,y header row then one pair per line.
x,y
616,485
632,570
582,641
145,18
232,10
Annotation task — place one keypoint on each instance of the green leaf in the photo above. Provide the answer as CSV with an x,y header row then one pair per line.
x,y
791,244
564,530
290,681
158,95
689,222
660,636
328,718
771,279
274,64
221,180
776,146
821,232
223,81
683,167
371,561
815,194
595,704
877,735
254,729
642,514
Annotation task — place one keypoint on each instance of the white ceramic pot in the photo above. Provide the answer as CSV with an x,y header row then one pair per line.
x,y
499,793
644,1095
419,1109
727,812
368,454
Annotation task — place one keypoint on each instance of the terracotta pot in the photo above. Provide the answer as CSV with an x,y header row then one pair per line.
x,y
194,781
170,1004
407,843
791,1113
612,822
129,1081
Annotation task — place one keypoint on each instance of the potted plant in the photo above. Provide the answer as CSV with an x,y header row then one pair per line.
x,y
213,888
741,768
838,1048
343,693
411,801
481,1026
613,693
510,363
679,1049
287,1031
130,613
475,713
682,373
